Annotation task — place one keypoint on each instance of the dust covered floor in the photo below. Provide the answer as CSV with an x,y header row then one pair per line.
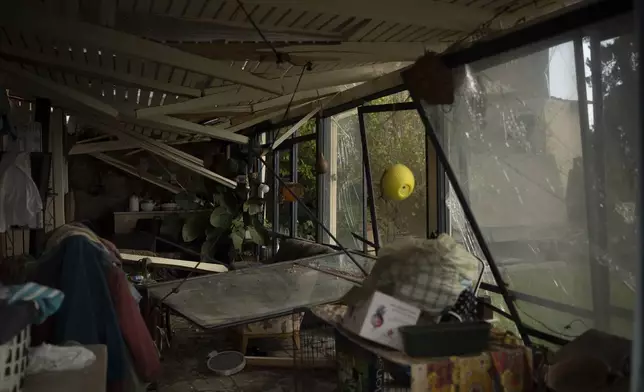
x,y
185,370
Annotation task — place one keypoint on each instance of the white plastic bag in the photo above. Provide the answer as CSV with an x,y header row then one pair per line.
x,y
20,201
48,358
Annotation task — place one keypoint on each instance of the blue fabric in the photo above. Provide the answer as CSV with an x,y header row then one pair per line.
x,y
47,300
76,267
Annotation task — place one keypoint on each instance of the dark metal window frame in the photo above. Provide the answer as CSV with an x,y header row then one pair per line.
x,y
560,28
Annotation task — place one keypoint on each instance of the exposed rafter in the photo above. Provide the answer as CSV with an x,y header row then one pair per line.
x,y
163,150
214,132
126,79
89,148
243,122
170,29
361,51
135,172
297,98
22,16
54,91
295,127
421,13
309,85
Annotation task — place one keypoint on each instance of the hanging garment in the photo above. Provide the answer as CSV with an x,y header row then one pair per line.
x,y
76,267
20,202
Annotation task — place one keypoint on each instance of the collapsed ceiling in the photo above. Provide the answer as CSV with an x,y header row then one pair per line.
x,y
171,69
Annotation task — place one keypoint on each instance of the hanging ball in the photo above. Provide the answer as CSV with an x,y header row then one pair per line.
x,y
397,182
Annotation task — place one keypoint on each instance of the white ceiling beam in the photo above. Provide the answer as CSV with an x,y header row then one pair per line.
x,y
241,123
357,93
23,17
161,149
54,91
338,77
361,51
94,139
212,132
107,12
297,98
195,168
169,29
135,172
127,133
417,12
88,148
225,95
123,78
117,145
310,82
295,127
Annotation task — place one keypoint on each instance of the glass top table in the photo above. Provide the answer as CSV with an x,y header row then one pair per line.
x,y
253,294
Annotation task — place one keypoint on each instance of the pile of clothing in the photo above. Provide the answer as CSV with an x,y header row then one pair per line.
x,y
100,306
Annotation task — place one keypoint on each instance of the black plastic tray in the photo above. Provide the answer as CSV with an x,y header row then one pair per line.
x,y
448,339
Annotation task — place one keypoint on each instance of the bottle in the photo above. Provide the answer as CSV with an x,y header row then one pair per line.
x,y
134,203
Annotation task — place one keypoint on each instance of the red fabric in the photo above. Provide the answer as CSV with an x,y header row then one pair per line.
x,y
135,333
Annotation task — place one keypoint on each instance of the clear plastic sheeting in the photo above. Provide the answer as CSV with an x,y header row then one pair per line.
x,y
252,294
555,201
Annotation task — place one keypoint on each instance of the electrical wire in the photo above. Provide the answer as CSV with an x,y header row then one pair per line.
x,y
279,56
290,102
457,44
544,325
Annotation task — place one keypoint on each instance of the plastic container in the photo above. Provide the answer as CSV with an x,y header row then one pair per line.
x,y
226,363
13,361
444,340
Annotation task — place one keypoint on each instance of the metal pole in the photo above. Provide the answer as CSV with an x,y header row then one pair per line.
x,y
276,193
637,365
293,207
316,220
594,180
442,157
322,144
369,181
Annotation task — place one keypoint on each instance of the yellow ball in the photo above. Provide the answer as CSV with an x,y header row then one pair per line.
x,y
397,182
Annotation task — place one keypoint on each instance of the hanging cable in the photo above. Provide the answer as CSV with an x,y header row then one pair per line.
x,y
279,56
481,27
290,102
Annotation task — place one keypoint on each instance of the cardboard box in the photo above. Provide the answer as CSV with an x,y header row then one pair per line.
x,y
378,319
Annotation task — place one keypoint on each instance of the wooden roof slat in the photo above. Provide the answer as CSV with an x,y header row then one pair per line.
x,y
212,9
126,5
376,34
177,8
273,16
290,18
30,17
160,6
396,32
305,21
365,30
143,6
227,11
324,19
195,8
178,76
337,22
